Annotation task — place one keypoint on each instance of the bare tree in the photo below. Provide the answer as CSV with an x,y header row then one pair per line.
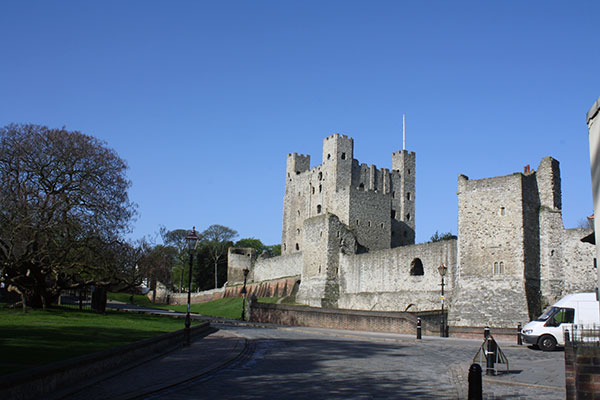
x,y
63,210
218,239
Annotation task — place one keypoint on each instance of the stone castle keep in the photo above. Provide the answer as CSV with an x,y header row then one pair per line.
x,y
349,230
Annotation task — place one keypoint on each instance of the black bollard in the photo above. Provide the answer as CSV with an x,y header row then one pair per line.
x,y
519,338
418,328
486,332
490,356
475,387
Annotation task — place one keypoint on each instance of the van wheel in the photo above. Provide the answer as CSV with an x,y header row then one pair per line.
x,y
547,343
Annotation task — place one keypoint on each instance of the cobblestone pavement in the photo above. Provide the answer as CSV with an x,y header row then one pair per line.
x,y
308,363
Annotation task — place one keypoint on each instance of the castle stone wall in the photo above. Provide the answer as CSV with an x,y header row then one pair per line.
x,y
348,230
382,280
370,218
490,286
578,260
237,260
277,267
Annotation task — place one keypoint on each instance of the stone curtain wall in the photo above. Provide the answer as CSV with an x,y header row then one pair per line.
x,y
394,322
382,280
277,267
238,259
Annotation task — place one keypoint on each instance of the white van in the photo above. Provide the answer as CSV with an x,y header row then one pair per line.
x,y
547,331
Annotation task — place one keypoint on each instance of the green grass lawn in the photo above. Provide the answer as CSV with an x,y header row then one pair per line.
x,y
138,299
39,337
228,307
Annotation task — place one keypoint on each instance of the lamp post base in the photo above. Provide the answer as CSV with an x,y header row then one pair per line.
x,y
186,330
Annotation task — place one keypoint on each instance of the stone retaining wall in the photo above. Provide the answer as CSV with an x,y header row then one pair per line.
x,y
394,322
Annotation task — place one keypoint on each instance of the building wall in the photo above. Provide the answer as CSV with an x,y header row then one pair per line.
x,y
277,267
578,260
237,260
490,287
382,280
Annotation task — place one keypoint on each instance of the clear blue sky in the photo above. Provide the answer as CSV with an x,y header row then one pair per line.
x,y
205,99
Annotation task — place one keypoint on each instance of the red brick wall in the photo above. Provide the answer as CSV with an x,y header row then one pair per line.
x,y
582,371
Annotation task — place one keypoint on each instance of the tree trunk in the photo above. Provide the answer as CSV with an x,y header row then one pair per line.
x,y
216,275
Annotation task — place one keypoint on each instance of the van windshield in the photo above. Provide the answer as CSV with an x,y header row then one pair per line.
x,y
547,314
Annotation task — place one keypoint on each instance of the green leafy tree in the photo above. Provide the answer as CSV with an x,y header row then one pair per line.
x,y
251,243
63,210
274,249
438,237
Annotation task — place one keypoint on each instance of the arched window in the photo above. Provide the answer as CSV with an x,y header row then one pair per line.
x,y
416,267
297,246
318,209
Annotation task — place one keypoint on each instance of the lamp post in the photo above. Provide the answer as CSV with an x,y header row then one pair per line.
x,y
442,269
246,270
192,243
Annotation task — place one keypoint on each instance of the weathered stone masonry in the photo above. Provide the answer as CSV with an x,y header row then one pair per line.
x,y
348,234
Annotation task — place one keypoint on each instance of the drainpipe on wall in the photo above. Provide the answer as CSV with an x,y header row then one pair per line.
x,y
593,122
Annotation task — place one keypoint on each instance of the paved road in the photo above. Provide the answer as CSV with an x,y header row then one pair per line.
x,y
307,363
304,363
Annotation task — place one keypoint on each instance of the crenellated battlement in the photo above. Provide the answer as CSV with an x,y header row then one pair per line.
x,y
362,196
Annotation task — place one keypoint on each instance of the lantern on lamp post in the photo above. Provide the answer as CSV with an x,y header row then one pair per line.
x,y
442,269
244,292
192,243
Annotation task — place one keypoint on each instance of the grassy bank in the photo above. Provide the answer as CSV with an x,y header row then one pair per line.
x,y
228,307
40,337
138,299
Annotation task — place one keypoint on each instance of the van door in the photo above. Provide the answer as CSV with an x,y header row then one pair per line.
x,y
560,320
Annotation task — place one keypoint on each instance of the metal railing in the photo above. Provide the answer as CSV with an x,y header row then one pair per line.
x,y
582,335
80,299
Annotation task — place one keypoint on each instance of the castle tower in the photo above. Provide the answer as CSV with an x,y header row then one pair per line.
x,y
403,198
491,251
551,269
338,153
295,202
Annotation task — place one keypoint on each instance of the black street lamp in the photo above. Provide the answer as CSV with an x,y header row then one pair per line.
x,y
244,294
192,243
442,269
